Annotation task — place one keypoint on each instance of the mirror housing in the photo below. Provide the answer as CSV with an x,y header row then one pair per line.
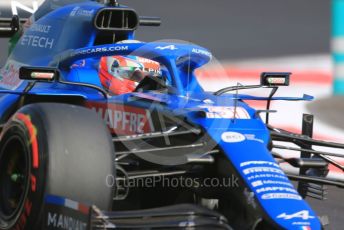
x,y
275,79
9,27
38,74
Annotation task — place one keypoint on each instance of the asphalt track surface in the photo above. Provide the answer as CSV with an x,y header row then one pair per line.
x,y
239,29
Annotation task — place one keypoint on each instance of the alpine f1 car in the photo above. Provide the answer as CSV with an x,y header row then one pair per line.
x,y
100,131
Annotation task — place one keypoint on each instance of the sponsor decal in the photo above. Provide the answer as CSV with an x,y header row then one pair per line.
x,y
78,64
168,47
9,75
273,189
226,112
40,28
232,137
60,221
268,175
81,12
269,180
257,183
37,41
124,120
304,214
75,9
262,182
100,50
302,223
262,169
202,52
258,163
61,213
269,196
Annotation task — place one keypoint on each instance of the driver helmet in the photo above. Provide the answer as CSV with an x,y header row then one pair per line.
x,y
122,74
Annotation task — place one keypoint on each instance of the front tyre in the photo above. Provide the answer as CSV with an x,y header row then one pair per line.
x,y
52,149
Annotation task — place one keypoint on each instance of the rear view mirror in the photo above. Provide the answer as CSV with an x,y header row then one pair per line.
x,y
9,27
274,79
38,73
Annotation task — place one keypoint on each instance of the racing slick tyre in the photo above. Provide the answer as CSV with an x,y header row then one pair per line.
x,y
52,149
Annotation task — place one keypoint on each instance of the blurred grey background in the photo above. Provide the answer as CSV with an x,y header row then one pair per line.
x,y
236,29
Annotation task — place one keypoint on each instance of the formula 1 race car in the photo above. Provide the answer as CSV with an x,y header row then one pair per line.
x,y
100,131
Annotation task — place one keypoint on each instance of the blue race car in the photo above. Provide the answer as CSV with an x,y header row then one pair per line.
x,y
100,131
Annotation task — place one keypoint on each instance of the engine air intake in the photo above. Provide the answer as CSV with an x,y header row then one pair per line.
x,y
116,19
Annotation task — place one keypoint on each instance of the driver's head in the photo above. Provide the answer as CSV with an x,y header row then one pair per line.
x,y
121,74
